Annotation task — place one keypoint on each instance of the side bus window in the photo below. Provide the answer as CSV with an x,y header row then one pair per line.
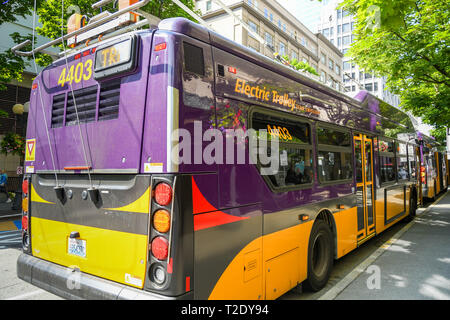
x,y
334,156
193,59
412,161
387,161
295,149
402,162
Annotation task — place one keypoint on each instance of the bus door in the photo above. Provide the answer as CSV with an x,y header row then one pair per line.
x,y
364,185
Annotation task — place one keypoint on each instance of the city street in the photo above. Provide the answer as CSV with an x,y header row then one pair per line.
x,y
412,260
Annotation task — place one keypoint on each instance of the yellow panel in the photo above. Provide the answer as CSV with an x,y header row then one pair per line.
x,y
282,273
395,203
347,229
252,262
234,283
114,255
35,197
231,284
141,205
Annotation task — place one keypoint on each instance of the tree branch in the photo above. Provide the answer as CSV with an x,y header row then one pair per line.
x,y
438,68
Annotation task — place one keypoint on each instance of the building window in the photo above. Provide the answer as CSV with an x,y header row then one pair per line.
x,y
339,41
284,27
368,87
279,23
331,31
294,55
346,40
323,58
323,76
339,29
253,27
338,69
346,65
330,64
208,5
375,87
344,51
271,17
326,32
282,50
269,39
339,14
266,13
346,27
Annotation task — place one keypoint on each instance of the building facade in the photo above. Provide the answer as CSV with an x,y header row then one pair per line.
x,y
337,26
280,30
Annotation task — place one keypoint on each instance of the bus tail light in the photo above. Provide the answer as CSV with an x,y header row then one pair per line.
x,y
163,194
25,215
25,222
160,248
25,186
161,221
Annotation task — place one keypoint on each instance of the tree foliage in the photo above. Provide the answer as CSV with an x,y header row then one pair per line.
x,y
300,65
407,41
12,66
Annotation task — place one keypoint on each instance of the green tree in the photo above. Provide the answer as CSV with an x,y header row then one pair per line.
x,y
12,66
300,65
407,41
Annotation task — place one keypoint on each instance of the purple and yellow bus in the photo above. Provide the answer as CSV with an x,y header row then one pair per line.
x,y
112,213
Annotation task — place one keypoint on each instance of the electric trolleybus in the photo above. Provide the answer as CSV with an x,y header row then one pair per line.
x,y
111,213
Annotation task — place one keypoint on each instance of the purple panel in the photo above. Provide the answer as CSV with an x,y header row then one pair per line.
x,y
110,144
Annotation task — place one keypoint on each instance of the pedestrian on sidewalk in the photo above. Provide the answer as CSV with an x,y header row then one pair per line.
x,y
3,182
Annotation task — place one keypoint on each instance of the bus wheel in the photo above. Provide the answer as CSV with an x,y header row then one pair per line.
x,y
320,256
412,207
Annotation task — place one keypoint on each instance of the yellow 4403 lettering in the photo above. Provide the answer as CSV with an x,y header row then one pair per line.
x,y
280,132
76,73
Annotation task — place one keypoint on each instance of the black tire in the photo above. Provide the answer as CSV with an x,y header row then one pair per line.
x,y
320,256
412,207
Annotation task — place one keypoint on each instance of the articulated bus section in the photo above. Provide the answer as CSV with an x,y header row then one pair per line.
x,y
135,212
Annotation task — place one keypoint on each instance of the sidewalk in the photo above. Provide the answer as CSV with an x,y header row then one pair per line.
x,y
415,267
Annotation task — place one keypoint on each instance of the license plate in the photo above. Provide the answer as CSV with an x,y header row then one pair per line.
x,y
77,247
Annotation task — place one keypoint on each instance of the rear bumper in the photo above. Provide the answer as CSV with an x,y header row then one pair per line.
x,y
65,283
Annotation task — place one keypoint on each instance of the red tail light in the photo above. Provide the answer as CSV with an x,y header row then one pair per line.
x,y
25,222
25,186
160,248
163,194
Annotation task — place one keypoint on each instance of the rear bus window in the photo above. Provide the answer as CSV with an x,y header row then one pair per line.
x,y
295,150
193,59
334,157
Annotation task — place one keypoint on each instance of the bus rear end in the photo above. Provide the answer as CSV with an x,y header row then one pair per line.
x,y
96,226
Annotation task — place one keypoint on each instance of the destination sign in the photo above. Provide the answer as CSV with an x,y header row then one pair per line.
x,y
113,55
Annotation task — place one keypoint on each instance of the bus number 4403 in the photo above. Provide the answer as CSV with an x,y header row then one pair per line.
x,y
76,73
